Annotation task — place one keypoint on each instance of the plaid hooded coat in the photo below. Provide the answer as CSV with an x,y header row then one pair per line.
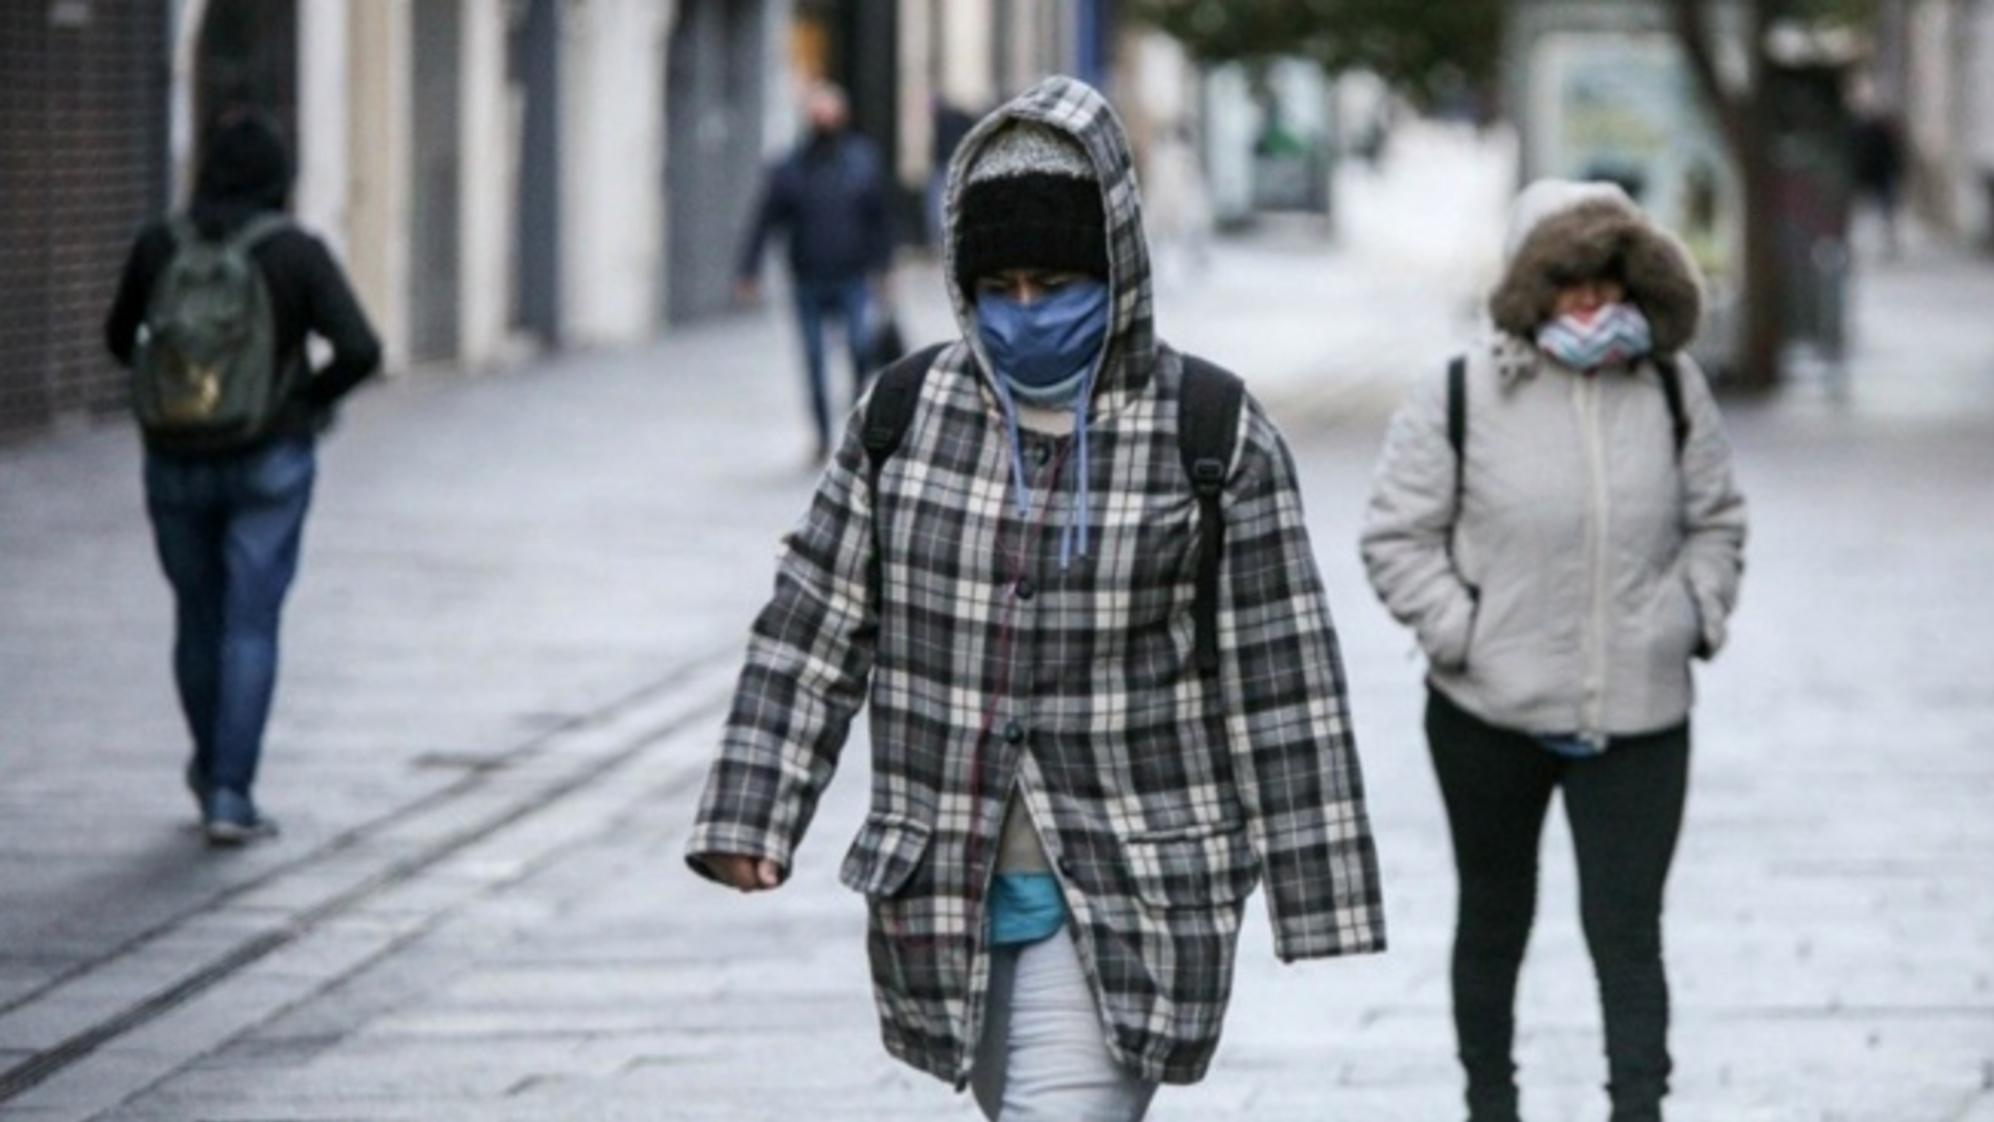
x,y
1162,795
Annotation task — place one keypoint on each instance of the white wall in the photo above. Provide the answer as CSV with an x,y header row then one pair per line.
x,y
612,174
377,167
489,147
1977,118
968,49
319,197
180,139
917,92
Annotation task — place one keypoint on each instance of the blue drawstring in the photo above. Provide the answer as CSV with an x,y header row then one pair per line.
x,y
1077,518
1021,488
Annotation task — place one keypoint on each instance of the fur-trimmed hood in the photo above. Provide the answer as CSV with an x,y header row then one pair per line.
x,y
1563,231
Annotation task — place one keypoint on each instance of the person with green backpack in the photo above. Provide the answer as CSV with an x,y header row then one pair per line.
x,y
212,316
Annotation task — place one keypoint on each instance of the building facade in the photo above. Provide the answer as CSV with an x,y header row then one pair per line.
x,y
499,176
82,163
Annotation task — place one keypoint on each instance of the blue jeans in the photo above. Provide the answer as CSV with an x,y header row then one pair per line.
x,y
228,529
816,302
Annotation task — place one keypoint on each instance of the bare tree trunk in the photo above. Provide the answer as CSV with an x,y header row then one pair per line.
x,y
1743,117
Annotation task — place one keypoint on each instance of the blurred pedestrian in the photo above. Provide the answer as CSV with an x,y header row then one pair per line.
x,y
1876,164
1558,524
212,314
828,199
1067,567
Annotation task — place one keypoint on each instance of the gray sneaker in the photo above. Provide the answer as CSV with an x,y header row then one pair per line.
x,y
229,818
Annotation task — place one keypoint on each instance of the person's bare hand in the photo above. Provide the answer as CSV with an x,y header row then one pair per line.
x,y
748,874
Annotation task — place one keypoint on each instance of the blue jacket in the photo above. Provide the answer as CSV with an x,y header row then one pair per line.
x,y
829,198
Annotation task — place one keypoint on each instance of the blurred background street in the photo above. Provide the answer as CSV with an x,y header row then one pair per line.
x,y
535,549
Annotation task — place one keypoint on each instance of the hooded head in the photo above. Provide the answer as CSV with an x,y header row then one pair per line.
x,y
1047,181
1032,202
244,164
1563,233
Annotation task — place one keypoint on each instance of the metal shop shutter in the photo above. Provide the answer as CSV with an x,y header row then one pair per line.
x,y
83,119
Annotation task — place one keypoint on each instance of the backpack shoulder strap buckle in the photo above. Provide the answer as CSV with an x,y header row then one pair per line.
x,y
1208,475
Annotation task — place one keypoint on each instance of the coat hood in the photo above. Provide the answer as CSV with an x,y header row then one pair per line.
x,y
1563,231
245,167
1077,110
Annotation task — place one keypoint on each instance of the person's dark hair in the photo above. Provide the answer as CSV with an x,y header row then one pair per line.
x,y
244,161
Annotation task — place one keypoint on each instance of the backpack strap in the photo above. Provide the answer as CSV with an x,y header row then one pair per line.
x,y
254,231
1207,434
1671,375
183,231
889,413
1457,421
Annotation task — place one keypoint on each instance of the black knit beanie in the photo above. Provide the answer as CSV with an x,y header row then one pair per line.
x,y
1031,202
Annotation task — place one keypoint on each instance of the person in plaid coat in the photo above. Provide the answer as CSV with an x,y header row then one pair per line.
x,y
1013,598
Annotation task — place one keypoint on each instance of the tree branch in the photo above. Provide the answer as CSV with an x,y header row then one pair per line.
x,y
1693,32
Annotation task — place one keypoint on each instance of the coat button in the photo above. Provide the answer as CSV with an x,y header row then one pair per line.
x,y
1025,588
1014,733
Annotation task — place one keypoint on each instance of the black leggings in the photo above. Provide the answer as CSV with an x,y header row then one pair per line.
x,y
1625,809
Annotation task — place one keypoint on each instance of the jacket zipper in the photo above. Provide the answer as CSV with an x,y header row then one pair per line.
x,y
1600,511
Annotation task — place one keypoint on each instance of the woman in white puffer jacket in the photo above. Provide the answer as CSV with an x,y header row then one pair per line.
x,y
1557,522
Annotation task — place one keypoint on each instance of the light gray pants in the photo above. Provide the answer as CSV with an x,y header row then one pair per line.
x,y
1043,1057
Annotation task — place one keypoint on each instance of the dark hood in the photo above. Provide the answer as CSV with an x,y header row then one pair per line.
x,y
245,168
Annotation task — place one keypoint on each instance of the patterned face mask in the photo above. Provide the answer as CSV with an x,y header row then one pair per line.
x,y
1605,336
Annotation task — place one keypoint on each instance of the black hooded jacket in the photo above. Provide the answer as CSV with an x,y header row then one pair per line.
x,y
247,172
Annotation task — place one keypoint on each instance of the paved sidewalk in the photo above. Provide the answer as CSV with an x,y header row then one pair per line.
x,y
524,594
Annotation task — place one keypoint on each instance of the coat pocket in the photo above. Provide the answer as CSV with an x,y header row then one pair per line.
x,y
884,855
1193,871
1674,625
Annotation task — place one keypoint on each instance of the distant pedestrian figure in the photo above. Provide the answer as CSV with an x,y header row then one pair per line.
x,y
1876,161
213,313
828,198
1558,523
1066,567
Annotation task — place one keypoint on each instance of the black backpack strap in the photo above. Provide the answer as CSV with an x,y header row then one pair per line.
x,y
1457,420
1670,372
890,411
1207,433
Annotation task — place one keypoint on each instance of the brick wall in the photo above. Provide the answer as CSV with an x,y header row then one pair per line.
x,y
83,121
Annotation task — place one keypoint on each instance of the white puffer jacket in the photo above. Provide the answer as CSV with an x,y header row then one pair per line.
x,y
1583,564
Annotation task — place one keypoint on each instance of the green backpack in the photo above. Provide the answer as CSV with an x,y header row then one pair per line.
x,y
205,378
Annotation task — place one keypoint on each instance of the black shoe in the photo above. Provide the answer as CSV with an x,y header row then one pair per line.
x,y
229,818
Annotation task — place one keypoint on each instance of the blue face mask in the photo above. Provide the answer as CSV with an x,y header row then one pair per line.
x,y
1046,345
